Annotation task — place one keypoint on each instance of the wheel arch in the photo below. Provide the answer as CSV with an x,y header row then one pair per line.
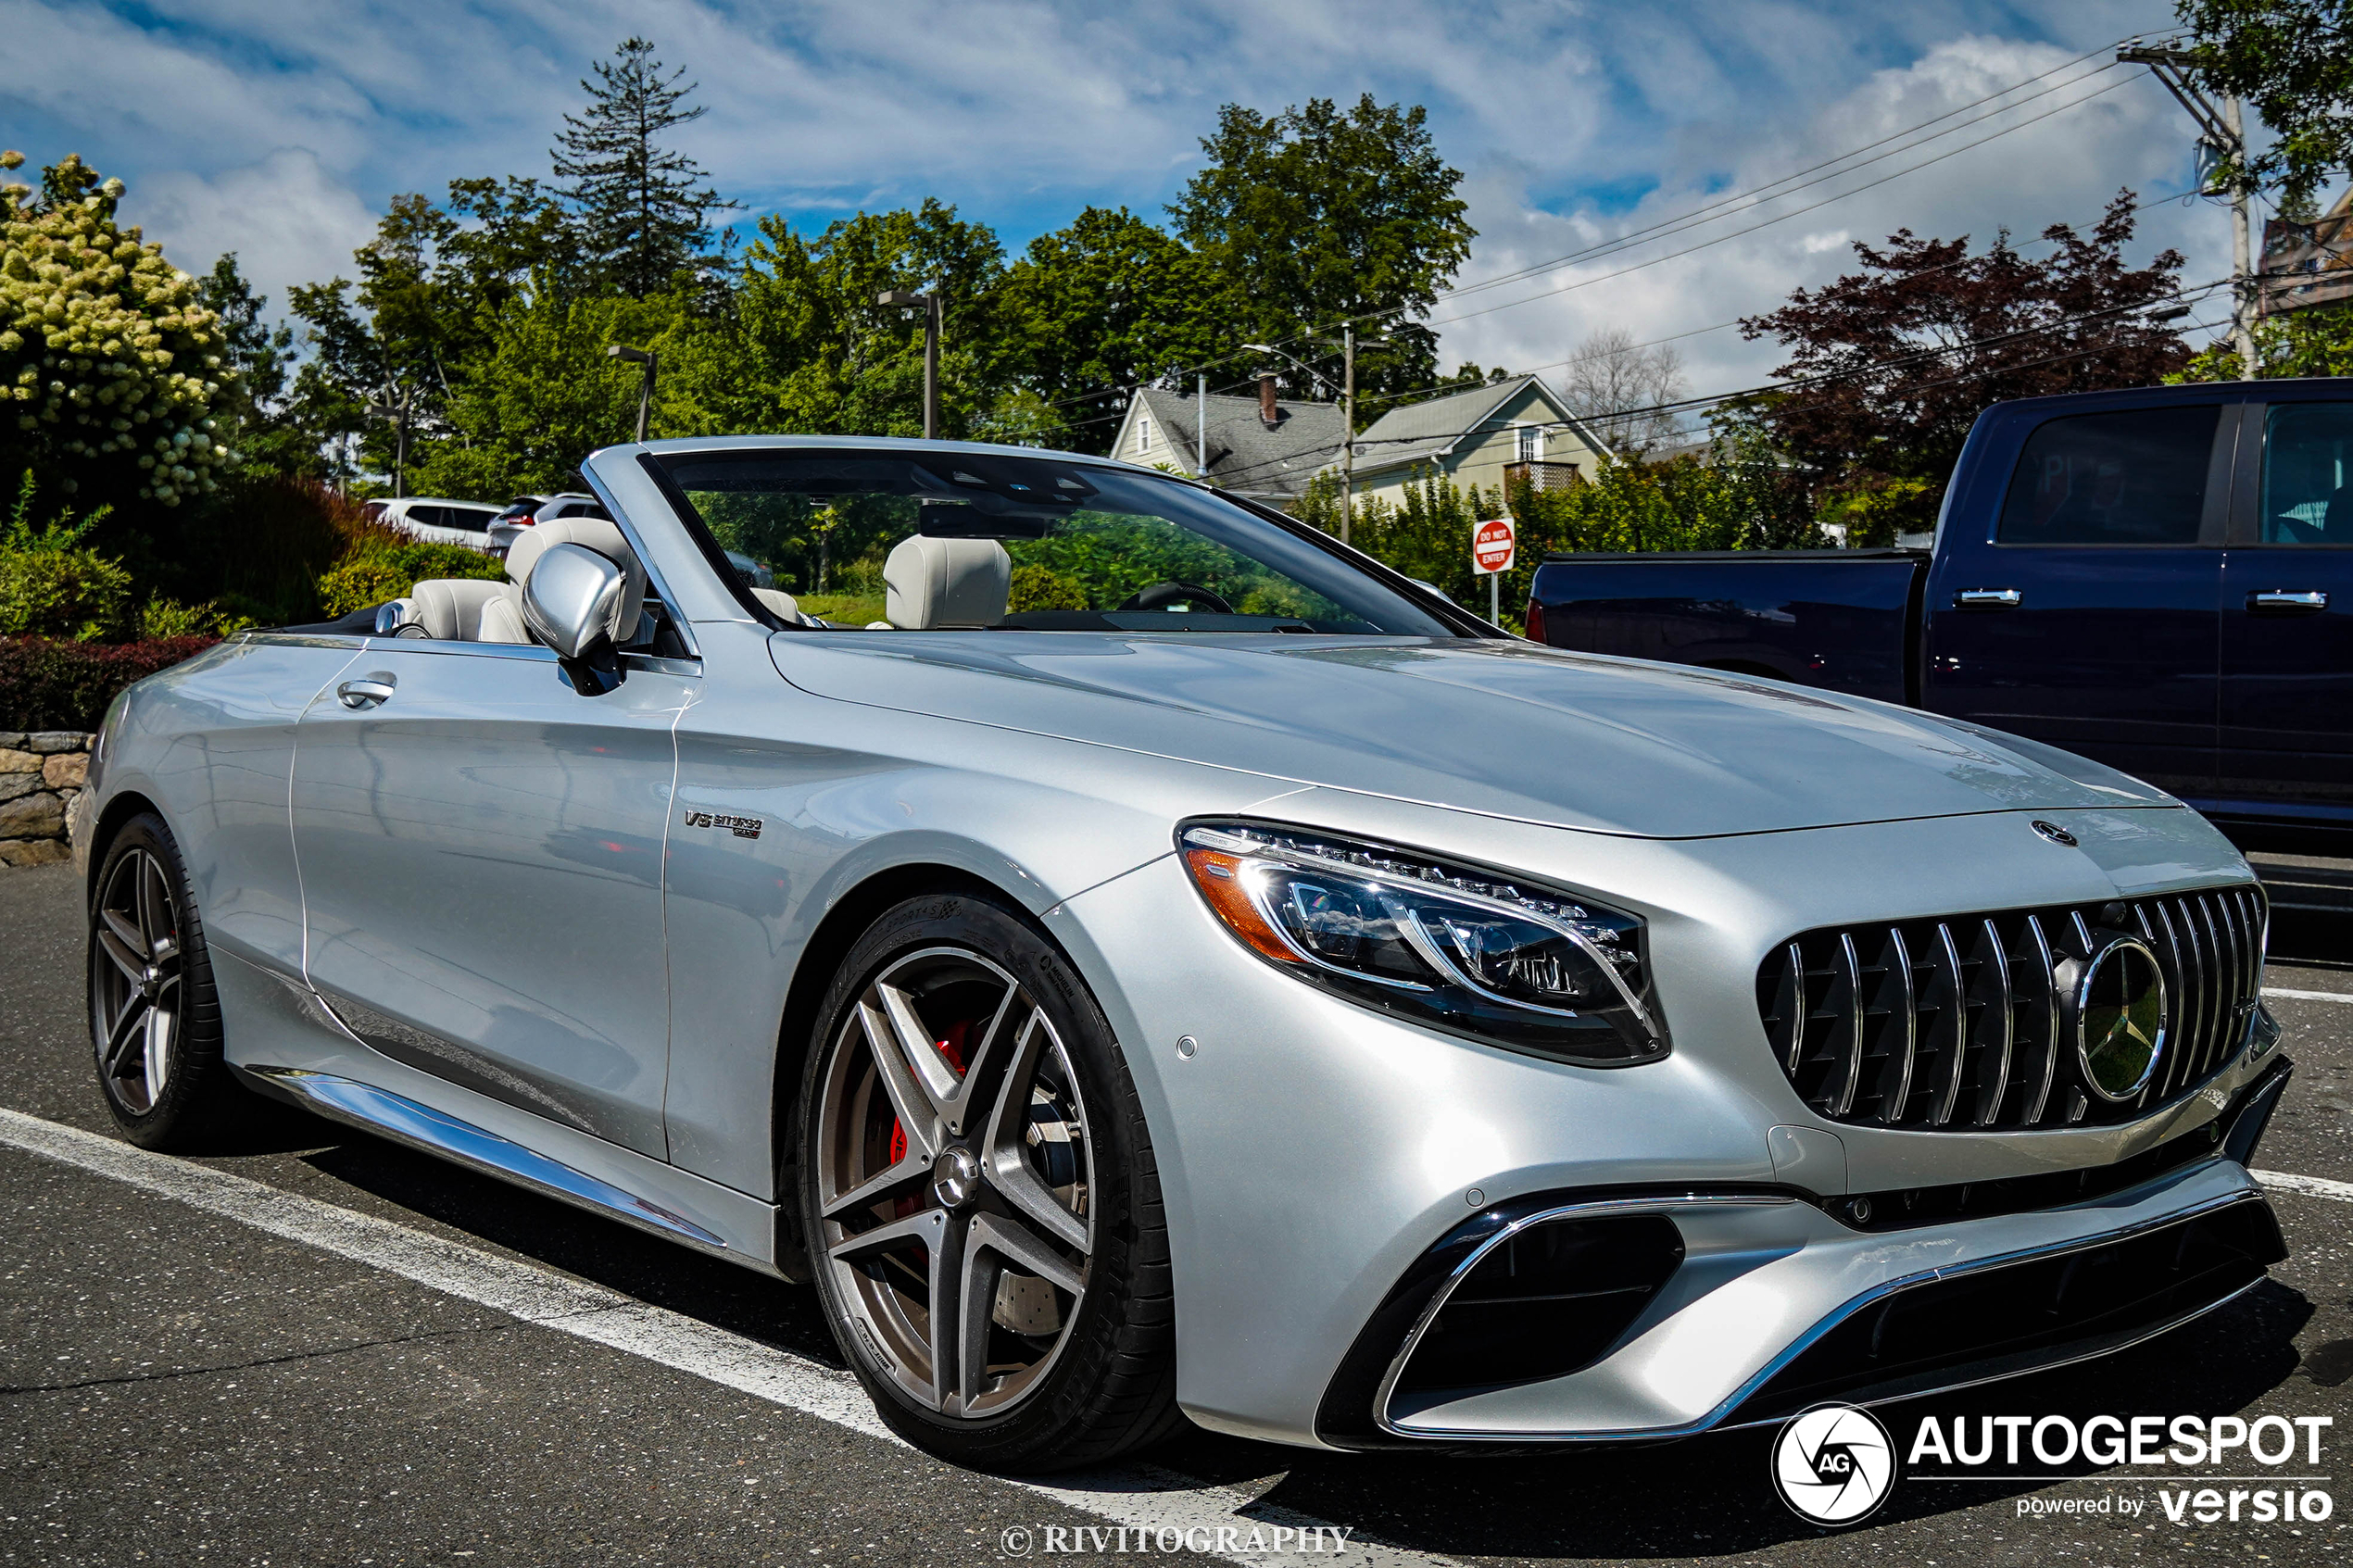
x,y
120,809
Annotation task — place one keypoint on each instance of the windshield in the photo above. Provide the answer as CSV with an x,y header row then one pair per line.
x,y
939,541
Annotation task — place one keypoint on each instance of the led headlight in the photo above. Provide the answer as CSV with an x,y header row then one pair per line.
x,y
1465,950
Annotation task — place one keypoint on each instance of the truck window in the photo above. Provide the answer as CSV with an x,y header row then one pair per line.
x,y
2308,457
2137,477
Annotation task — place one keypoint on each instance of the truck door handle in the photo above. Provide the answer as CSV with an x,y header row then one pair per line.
x,y
1986,598
367,691
2284,601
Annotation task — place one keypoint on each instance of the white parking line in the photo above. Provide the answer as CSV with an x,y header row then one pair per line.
x,y
2309,996
1140,1497
2310,1186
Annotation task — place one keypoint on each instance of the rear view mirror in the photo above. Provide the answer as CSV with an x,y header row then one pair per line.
x,y
569,602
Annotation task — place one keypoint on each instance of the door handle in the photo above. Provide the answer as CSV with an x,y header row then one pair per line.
x,y
1986,598
367,691
2285,601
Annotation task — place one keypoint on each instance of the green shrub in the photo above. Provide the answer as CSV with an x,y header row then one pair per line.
x,y
54,585
1040,587
371,576
161,619
49,684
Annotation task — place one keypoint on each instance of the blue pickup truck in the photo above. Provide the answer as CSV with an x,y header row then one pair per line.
x,y
2161,579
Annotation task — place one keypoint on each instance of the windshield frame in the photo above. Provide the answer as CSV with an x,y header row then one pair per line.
x,y
1461,622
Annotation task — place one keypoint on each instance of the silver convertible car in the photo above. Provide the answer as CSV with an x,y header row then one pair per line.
x,y
1175,967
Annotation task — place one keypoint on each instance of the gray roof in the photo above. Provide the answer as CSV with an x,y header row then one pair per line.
x,y
1421,432
1244,454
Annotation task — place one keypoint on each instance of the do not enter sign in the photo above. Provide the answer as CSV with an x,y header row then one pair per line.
x,y
1494,546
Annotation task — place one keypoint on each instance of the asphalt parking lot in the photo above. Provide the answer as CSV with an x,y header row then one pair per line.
x,y
323,1349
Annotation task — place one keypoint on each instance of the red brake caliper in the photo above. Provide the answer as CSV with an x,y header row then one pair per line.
x,y
952,1047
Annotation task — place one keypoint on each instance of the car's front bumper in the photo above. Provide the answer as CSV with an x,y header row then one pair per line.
x,y
1311,1154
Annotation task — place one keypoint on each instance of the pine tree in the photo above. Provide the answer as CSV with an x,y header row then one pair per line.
x,y
644,209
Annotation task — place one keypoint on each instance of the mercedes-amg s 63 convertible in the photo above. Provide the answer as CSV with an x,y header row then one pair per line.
x,y
1173,966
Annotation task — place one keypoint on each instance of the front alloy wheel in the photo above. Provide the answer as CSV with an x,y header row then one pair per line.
x,y
953,1169
970,1186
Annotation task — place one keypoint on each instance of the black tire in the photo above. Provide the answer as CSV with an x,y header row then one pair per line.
x,y
195,1102
1107,1384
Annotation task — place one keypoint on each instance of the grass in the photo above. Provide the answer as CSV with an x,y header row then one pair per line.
x,y
845,609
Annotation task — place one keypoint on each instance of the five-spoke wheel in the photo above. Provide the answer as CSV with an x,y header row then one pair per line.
x,y
977,1195
953,1169
134,979
155,1023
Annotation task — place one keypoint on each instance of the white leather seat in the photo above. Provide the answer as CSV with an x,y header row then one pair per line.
x,y
449,609
939,584
502,616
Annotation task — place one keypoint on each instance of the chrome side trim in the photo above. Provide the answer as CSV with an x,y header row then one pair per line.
x,y
1807,1340
422,1127
1462,1272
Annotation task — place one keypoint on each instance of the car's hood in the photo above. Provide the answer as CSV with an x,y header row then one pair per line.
x,y
1511,729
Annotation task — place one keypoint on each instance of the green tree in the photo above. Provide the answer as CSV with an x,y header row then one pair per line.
x,y
1311,216
644,208
806,348
110,360
2293,60
1096,308
254,417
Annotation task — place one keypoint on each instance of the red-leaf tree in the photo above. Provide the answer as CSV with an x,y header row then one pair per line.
x,y
1897,361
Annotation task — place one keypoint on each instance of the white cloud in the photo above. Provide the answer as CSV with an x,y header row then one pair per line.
x,y
287,218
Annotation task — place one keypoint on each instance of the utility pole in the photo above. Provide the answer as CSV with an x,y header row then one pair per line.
x,y
2222,136
386,406
929,303
1348,423
651,361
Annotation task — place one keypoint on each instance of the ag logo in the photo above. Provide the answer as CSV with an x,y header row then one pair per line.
x,y
1833,1463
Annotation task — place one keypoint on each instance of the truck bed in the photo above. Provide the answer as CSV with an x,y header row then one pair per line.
x,y
1846,621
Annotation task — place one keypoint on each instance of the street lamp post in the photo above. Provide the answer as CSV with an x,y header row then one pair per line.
x,y
651,361
929,304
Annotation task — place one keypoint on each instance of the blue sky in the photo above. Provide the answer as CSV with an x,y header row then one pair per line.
x,y
280,129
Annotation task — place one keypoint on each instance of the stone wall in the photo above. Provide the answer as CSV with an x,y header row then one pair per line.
x,y
40,774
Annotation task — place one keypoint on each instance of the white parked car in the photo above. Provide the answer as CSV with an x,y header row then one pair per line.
x,y
526,511
438,521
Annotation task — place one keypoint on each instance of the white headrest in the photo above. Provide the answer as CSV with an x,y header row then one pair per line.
x,y
598,535
944,582
449,609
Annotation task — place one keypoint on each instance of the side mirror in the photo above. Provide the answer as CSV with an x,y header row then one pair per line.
x,y
569,602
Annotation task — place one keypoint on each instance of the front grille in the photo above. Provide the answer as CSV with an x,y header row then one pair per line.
x,y
1967,1023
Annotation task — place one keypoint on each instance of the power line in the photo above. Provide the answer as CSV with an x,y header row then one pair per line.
x,y
1783,218
1765,192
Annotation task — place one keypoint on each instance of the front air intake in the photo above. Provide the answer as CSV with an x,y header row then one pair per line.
x,y
1547,1300
2060,1017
